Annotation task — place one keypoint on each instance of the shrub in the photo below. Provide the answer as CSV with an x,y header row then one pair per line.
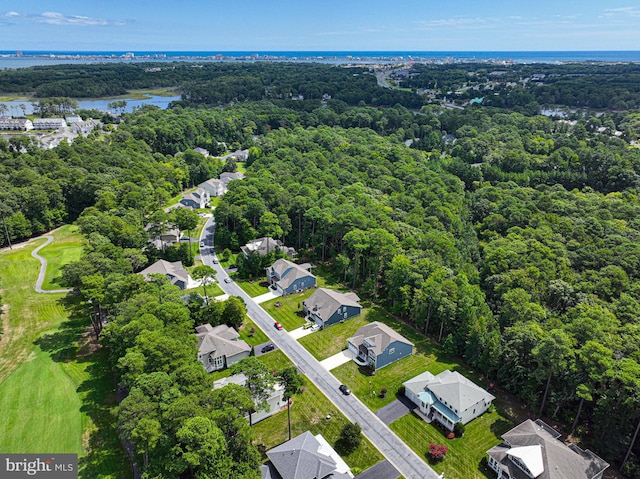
x,y
458,429
437,452
383,393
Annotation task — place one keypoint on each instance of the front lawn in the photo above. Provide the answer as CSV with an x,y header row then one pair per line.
x,y
333,339
258,335
287,313
253,287
466,453
275,360
213,290
308,413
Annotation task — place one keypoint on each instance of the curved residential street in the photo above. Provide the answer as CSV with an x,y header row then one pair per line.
x,y
408,463
43,269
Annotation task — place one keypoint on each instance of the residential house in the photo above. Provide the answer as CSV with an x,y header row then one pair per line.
x,y
239,155
21,124
326,306
287,277
202,151
532,450
219,347
165,238
305,457
196,199
49,123
214,186
71,119
275,402
228,177
377,345
448,398
265,245
175,272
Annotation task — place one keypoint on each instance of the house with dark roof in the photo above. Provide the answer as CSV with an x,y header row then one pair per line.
x,y
326,306
214,186
196,199
275,402
377,345
266,245
448,398
175,272
220,347
287,277
305,457
532,450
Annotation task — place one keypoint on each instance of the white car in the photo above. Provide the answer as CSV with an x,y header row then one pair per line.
x,y
201,244
228,280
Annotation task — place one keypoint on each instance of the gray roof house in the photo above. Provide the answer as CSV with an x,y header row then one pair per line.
x,y
21,124
326,306
377,345
531,450
49,123
166,238
214,186
227,177
275,402
287,277
220,347
174,271
448,397
202,151
305,457
265,245
196,199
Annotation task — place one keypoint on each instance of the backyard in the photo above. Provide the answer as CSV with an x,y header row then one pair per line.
x,y
308,413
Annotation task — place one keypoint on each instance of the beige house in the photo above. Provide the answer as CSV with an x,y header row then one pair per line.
x,y
219,347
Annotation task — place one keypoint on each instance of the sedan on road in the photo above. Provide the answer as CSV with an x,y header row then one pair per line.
x,y
278,326
344,390
228,280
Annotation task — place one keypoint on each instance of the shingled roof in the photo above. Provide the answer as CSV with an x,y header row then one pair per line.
x,y
324,302
221,340
379,335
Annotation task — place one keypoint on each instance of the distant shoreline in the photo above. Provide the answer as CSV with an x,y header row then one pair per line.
x,y
21,59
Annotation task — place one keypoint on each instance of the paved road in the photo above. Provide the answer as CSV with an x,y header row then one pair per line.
x,y
43,269
408,463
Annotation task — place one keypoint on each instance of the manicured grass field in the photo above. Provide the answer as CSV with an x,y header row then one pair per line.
x,y
65,249
287,313
56,394
213,290
308,413
253,287
465,454
275,360
258,335
333,339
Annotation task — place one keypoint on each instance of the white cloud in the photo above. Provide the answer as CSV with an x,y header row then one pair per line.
x,y
626,11
56,18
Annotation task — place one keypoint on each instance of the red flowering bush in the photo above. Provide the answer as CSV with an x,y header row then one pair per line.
x,y
437,452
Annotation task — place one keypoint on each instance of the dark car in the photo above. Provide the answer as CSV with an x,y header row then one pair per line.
x,y
344,390
268,347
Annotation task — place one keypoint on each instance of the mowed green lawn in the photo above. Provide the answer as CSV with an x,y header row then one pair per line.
x,y
56,394
465,454
40,409
253,287
66,248
333,339
287,313
308,413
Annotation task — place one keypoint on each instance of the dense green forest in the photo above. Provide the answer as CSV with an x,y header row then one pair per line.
x,y
511,238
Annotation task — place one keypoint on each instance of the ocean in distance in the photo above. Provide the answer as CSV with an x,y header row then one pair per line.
x,y
13,59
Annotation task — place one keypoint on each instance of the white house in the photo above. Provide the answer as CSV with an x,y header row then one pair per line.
x,y
49,123
196,199
214,186
275,402
22,124
448,397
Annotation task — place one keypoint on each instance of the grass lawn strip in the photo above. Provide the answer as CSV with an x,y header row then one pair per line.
x,y
465,454
287,313
333,339
308,413
258,335
254,287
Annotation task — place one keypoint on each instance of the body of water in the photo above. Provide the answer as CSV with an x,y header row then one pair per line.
x,y
25,107
9,59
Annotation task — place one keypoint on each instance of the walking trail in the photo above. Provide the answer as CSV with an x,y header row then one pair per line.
x,y
43,269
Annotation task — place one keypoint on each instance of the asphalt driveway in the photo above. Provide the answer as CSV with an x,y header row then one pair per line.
x,y
382,470
395,410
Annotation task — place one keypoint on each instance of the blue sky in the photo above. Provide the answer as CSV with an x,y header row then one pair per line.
x,y
262,25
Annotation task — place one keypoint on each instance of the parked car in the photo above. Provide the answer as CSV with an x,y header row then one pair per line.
x,y
278,326
215,261
315,327
201,244
228,280
344,390
268,347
